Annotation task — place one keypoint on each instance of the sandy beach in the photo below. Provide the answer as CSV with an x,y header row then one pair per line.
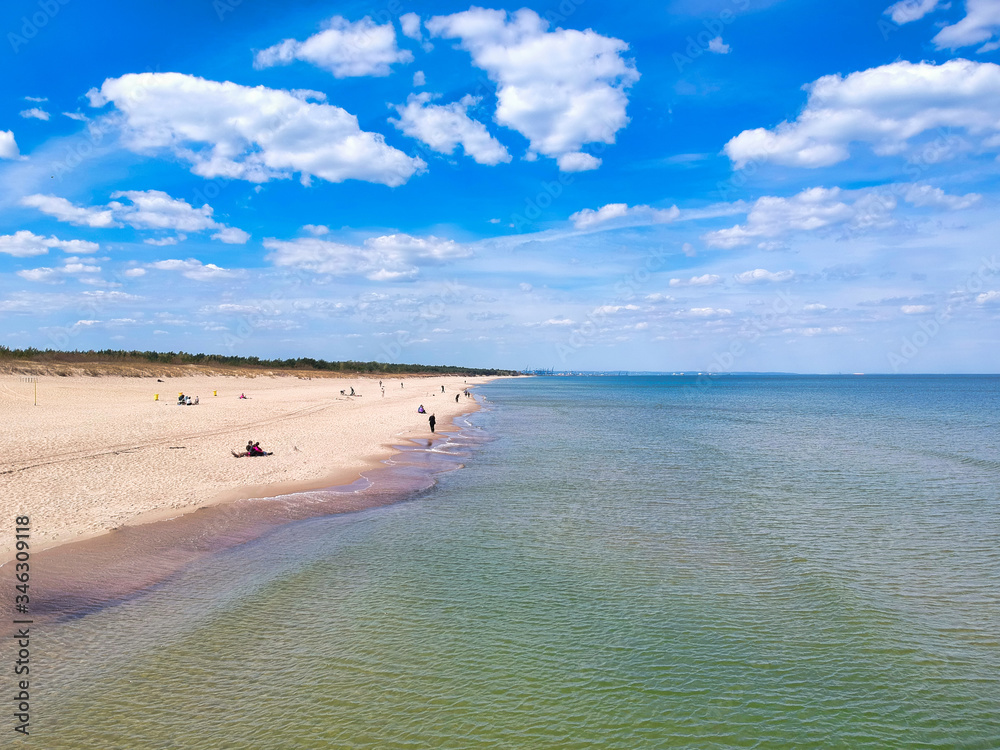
x,y
97,453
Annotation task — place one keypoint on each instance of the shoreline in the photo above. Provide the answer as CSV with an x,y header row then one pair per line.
x,y
112,484
133,558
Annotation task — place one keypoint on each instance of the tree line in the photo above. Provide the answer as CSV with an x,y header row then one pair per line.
x,y
185,358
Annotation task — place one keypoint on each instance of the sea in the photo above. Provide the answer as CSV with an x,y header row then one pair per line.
x,y
619,562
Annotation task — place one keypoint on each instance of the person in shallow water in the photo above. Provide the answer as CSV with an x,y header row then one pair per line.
x,y
431,420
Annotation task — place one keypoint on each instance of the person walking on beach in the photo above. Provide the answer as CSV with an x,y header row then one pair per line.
x,y
432,421
442,389
456,397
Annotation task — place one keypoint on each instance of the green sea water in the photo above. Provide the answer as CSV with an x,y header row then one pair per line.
x,y
626,563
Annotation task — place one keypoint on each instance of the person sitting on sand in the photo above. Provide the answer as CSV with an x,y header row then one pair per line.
x,y
253,449
180,399
421,409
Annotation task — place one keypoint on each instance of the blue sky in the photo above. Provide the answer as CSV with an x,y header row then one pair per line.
x,y
722,185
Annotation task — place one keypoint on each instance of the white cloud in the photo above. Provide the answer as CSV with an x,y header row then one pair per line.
x,y
707,312
987,297
906,11
73,266
611,309
812,209
44,275
621,213
916,309
257,134
706,280
410,24
193,269
165,241
981,23
385,258
135,272
560,89
814,307
231,236
8,147
419,79
343,48
64,210
760,274
24,244
925,195
657,297
718,46
444,126
317,230
78,116
36,99
35,113
885,107
147,209
577,162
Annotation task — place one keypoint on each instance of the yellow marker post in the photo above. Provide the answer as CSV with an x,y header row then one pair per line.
x,y
215,393
156,397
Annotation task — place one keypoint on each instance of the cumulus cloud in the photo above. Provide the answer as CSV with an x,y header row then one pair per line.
x,y
810,210
24,244
706,280
444,126
916,309
906,11
64,210
73,266
146,209
988,297
621,213
343,48
256,134
8,147
706,312
925,195
886,107
35,113
760,274
410,24
981,23
611,309
419,79
386,258
193,269
718,46
560,89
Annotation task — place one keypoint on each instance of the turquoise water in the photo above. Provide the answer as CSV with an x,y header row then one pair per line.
x,y
630,563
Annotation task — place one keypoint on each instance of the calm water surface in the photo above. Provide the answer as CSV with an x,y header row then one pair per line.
x,y
631,563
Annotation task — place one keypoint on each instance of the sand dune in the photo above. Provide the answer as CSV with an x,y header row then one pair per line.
x,y
96,453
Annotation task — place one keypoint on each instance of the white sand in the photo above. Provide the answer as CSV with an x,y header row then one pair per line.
x,y
97,453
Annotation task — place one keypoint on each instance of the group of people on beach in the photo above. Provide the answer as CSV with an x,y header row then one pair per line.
x,y
183,400
253,449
